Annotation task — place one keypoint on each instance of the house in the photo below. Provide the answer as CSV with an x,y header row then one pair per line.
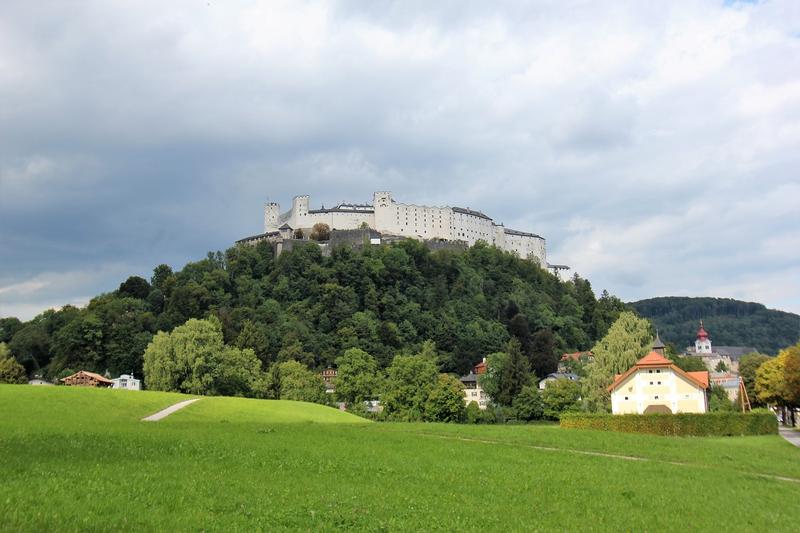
x,y
86,379
569,360
329,377
37,380
128,382
473,392
557,375
655,385
727,381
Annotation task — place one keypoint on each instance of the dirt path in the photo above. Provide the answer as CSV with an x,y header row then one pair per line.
x,y
599,454
168,411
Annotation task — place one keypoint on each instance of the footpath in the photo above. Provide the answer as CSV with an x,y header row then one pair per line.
x,y
168,411
790,434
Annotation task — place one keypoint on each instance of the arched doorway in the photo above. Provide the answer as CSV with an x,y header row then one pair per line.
x,y
658,408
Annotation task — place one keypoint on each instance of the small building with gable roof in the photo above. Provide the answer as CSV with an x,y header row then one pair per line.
x,y
85,378
655,385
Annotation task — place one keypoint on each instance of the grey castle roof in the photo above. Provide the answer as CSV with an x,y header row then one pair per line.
x,y
345,208
471,212
258,237
522,233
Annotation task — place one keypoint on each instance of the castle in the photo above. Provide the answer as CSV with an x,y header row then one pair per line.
x,y
394,219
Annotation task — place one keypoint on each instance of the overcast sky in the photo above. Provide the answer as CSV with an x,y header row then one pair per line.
x,y
656,145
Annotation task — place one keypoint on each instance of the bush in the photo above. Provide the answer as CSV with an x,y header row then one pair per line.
x,y
720,424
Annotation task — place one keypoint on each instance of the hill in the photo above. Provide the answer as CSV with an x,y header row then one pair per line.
x,y
386,300
729,322
78,459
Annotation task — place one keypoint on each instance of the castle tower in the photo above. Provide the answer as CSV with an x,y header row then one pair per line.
x,y
271,213
703,343
384,209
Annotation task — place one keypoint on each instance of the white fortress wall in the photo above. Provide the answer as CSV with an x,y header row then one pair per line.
x,y
409,220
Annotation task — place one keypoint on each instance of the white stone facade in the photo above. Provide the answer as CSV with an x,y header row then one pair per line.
x,y
408,220
127,382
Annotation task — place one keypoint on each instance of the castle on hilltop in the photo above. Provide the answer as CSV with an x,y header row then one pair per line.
x,y
394,220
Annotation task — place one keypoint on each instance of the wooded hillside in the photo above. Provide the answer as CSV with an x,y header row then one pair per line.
x,y
386,300
729,322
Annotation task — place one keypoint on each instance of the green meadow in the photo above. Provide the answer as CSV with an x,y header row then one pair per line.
x,y
82,459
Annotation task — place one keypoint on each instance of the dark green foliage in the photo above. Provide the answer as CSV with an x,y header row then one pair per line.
x,y
722,424
410,380
134,287
729,322
544,359
384,300
748,365
472,414
445,402
528,404
688,363
718,399
561,396
10,370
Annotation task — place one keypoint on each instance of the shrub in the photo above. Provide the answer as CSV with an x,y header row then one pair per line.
x,y
757,422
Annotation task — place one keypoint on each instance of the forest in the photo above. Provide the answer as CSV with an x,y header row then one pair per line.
x,y
729,322
384,300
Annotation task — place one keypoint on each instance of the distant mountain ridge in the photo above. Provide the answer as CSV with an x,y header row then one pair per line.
x,y
729,322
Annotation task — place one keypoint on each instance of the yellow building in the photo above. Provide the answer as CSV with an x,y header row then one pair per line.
x,y
655,385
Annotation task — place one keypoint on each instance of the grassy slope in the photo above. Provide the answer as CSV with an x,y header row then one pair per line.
x,y
80,459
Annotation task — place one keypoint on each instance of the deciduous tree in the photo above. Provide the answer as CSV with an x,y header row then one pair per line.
x,y
627,341
445,402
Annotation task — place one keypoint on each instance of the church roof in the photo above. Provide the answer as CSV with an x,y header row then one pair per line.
x,y
656,360
658,343
701,333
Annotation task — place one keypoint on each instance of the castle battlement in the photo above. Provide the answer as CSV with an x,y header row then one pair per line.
x,y
385,215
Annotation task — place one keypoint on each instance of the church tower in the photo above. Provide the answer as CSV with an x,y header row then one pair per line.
x,y
658,345
703,343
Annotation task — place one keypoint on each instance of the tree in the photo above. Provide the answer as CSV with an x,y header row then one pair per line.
x,y
770,381
193,359
627,341
544,359
528,404
134,287
718,399
560,396
320,232
445,402
748,366
688,363
298,234
472,413
357,376
791,368
506,373
721,367
10,370
300,384
255,337
409,382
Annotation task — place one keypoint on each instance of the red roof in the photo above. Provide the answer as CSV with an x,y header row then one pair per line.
x,y
576,356
701,333
656,360
480,368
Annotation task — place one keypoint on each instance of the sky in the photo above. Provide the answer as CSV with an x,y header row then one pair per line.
x,y
656,145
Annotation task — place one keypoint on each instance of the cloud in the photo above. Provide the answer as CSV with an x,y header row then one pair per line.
x,y
649,143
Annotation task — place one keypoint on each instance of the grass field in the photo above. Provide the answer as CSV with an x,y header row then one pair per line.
x,y
81,459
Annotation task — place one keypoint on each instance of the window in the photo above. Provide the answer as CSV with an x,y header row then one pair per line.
x,y
659,383
655,397
651,383
626,397
658,371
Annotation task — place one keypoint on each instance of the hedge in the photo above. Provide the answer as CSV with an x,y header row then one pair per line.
x,y
758,422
